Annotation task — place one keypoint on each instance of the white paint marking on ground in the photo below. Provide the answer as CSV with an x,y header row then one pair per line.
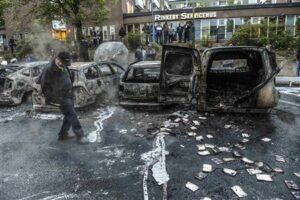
x,y
289,103
34,195
47,116
157,159
103,115
60,196
11,117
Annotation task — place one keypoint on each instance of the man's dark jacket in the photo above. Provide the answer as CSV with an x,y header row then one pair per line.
x,y
56,84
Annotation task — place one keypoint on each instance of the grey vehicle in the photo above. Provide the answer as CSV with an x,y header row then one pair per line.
x,y
90,80
231,79
18,82
140,84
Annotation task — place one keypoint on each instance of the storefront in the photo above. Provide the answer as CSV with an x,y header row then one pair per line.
x,y
221,22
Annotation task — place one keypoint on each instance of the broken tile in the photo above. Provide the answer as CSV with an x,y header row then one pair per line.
x,y
133,130
207,168
201,175
252,171
199,138
185,119
182,146
205,198
217,161
192,134
123,131
297,174
230,172
246,160
296,194
177,120
139,135
264,177
202,118
227,126
239,191
241,147
259,164
209,146
245,135
291,185
165,130
245,140
204,153
228,159
200,147
209,136
277,170
196,123
236,154
266,139
279,158
191,186
193,128
224,149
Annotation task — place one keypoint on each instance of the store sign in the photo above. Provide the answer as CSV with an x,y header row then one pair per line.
x,y
58,25
185,16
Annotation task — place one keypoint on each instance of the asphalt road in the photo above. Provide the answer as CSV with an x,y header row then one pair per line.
x,y
128,161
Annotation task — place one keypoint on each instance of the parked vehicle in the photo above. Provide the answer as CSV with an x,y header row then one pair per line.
x,y
232,79
17,82
90,80
140,84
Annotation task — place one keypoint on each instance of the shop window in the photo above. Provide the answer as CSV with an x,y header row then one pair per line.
x,y
289,25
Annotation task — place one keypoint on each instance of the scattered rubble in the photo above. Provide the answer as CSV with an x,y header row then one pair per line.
x,y
239,191
230,172
201,175
279,158
191,186
264,177
291,185
266,139
207,168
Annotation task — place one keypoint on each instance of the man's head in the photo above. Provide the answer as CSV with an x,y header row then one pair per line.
x,y
64,58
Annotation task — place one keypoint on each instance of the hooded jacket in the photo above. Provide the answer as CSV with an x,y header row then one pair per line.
x,y
56,83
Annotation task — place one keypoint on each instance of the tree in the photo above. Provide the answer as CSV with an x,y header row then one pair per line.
x,y
3,5
73,12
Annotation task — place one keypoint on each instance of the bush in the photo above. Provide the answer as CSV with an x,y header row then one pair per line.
x,y
133,40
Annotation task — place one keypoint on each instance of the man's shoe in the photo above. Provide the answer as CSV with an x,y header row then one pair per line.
x,y
64,137
83,140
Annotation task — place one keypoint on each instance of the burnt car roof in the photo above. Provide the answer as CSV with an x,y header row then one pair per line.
x,y
146,64
80,65
228,48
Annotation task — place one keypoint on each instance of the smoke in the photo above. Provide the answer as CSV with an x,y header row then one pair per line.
x,y
41,42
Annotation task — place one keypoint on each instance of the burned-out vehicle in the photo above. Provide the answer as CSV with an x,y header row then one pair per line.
x,y
232,79
90,80
17,82
140,84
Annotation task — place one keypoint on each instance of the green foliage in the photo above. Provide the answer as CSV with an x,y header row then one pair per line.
x,y
133,40
230,2
206,42
241,35
3,5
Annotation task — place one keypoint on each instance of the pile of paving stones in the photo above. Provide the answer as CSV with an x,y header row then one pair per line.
x,y
223,154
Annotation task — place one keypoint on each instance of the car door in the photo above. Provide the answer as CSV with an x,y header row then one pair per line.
x,y
93,81
108,76
180,71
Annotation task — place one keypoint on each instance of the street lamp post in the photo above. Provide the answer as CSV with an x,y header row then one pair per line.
x,y
152,14
193,27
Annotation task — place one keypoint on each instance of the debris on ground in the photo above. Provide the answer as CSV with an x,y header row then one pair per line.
x,y
239,191
204,153
228,159
246,160
199,138
200,147
297,174
230,172
296,194
279,158
191,186
252,171
266,139
291,185
201,175
191,134
264,177
209,136
217,161
207,168
278,170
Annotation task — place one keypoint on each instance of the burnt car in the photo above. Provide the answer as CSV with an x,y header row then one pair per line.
x,y
5,70
231,79
17,82
90,80
140,84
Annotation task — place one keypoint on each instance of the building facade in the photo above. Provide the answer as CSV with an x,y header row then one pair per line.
x,y
218,20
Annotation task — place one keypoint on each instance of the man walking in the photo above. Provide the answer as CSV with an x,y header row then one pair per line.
x,y
56,83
